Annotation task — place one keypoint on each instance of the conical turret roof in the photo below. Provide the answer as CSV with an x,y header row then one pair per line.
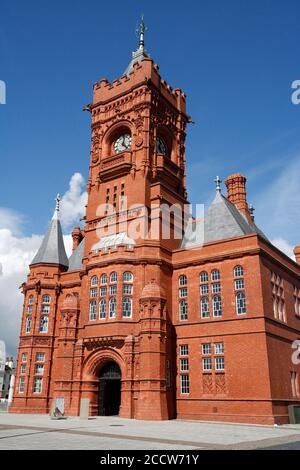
x,y
52,249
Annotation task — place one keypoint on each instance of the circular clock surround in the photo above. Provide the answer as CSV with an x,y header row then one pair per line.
x,y
161,147
122,143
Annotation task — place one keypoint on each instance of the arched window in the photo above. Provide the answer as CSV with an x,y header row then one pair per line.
x,y
215,275
238,271
44,324
30,300
217,306
183,310
94,281
127,276
240,299
28,325
102,309
103,279
204,307
113,277
182,280
46,299
93,310
127,307
112,307
203,277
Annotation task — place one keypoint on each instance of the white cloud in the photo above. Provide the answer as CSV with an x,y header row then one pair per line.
x,y
284,246
73,201
17,251
278,205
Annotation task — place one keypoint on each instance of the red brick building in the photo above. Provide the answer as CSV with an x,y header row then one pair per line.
x,y
157,327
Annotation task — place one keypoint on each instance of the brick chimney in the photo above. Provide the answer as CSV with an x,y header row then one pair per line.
x,y
297,254
236,193
77,237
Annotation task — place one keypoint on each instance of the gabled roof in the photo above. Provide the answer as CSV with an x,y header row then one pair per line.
x,y
75,260
52,249
223,220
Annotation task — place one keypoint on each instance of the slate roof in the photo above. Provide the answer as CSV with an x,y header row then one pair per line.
x,y
52,249
223,220
75,260
137,57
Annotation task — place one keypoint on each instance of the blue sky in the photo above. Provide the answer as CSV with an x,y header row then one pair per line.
x,y
236,61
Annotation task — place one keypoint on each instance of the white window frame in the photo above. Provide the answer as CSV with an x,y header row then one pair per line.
x,y
183,310
207,363
215,275
205,313
184,384
93,310
217,313
126,312
204,278
218,361
102,310
206,349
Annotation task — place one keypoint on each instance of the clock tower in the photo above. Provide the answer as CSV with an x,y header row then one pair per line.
x,y
137,163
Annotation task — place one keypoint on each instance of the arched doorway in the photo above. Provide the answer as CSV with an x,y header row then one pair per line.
x,y
109,389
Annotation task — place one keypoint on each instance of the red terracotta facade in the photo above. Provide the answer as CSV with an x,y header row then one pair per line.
x,y
232,367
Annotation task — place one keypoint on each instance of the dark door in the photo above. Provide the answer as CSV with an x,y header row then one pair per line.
x,y
109,390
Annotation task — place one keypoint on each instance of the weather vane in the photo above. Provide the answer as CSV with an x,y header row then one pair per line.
x,y
140,30
218,182
57,201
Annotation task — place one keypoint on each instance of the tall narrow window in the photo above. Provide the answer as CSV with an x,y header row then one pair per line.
x,y
204,307
37,385
112,307
113,277
45,308
103,279
240,300
184,384
28,324
44,324
217,306
183,310
21,385
127,307
102,309
93,310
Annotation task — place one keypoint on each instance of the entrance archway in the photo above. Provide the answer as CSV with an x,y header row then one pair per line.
x,y
109,389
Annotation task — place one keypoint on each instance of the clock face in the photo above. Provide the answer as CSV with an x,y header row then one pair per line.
x,y
122,143
160,147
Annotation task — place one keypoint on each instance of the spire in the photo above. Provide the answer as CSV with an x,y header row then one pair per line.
x,y
52,249
142,28
56,211
218,182
140,53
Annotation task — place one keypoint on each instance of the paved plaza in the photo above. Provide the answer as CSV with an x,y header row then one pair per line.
x,y
112,433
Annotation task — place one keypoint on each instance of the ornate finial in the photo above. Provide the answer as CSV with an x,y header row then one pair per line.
x,y
251,210
57,203
142,28
218,182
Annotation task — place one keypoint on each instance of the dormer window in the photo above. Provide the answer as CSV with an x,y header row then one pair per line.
x,y
122,143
